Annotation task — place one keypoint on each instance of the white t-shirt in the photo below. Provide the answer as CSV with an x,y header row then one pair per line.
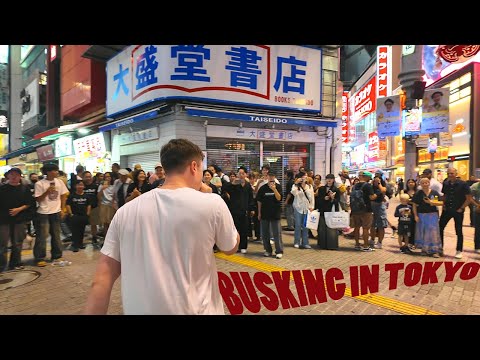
x,y
107,195
164,241
51,204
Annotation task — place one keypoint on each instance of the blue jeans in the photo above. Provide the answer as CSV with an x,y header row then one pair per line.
x,y
276,232
16,234
49,224
300,229
290,216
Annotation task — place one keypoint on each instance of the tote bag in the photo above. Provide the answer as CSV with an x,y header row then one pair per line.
x,y
312,219
337,219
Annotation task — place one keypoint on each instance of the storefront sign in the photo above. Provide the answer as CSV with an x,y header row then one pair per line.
x,y
446,139
345,120
437,67
3,122
129,121
384,69
45,153
280,76
63,146
30,97
90,146
363,102
260,118
422,141
137,136
230,132
373,146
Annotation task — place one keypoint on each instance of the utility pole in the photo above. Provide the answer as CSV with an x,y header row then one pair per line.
x,y
411,71
16,84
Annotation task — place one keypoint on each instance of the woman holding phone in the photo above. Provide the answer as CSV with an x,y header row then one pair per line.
x,y
427,233
105,200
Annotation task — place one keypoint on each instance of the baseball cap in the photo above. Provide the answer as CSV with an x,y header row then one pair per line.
x,y
365,173
158,165
427,171
14,169
123,172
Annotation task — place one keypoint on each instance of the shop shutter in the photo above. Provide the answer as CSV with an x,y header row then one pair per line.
x,y
230,154
147,161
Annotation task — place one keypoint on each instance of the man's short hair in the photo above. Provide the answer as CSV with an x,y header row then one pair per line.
x,y
271,173
49,167
436,92
266,166
427,172
217,168
178,153
389,101
330,176
79,168
243,168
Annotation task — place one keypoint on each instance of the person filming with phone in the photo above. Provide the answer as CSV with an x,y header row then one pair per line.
x,y
303,202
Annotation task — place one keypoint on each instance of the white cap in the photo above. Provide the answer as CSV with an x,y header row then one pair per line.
x,y
123,172
158,165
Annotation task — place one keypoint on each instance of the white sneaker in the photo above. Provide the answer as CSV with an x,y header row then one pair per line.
x,y
378,245
458,255
296,246
279,256
267,254
243,251
272,242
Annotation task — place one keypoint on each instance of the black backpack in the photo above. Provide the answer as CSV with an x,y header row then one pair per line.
x,y
357,202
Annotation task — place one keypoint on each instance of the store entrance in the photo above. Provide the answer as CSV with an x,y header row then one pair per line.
x,y
230,154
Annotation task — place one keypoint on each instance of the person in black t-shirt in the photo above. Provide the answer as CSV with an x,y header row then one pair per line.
x,y
91,190
269,201
289,202
457,196
404,212
16,199
361,215
79,205
427,233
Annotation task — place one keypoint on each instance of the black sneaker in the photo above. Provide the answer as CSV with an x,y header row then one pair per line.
x,y
82,247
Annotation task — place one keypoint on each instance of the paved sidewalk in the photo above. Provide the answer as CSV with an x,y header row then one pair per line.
x,y
63,290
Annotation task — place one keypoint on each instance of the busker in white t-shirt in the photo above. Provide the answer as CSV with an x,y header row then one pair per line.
x,y
161,243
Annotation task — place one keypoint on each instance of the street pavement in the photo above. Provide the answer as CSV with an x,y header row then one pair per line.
x,y
63,290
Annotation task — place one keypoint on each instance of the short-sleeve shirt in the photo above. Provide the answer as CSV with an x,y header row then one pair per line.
x,y
164,242
79,203
367,189
14,197
271,207
455,194
423,207
51,204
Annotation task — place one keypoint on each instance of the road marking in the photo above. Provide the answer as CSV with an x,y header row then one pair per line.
x,y
374,299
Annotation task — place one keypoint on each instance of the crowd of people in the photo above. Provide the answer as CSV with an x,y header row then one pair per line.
x,y
160,231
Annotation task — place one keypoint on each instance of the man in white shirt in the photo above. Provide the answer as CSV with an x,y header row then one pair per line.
x,y
162,244
51,195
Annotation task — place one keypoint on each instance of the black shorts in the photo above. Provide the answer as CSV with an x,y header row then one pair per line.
x,y
405,229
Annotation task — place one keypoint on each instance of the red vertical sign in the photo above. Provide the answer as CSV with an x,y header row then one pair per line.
x,y
382,71
373,146
345,120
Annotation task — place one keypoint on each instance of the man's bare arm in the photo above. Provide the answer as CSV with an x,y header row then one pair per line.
x,y
107,272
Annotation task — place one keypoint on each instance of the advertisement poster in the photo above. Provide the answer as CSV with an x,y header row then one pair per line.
x,y
435,111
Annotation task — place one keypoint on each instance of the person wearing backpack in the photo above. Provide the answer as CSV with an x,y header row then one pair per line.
x,y
361,215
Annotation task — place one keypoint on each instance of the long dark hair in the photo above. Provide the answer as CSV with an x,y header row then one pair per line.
x,y
406,184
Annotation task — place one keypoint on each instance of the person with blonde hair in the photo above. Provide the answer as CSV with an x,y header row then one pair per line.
x,y
427,233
